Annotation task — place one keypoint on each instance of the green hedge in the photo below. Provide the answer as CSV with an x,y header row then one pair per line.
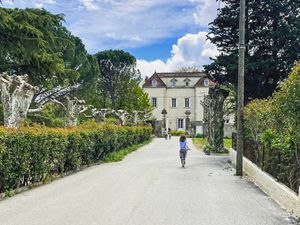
x,y
30,155
272,128
178,132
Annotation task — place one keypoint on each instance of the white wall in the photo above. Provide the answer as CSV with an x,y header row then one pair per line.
x,y
160,94
164,100
278,191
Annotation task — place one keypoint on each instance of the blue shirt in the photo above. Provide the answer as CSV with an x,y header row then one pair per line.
x,y
183,145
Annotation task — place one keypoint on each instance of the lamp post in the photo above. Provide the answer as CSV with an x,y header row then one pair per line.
x,y
187,120
164,121
241,86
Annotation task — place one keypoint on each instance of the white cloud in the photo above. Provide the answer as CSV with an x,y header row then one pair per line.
x,y
190,50
132,23
124,24
8,2
42,3
206,11
89,5
147,68
39,5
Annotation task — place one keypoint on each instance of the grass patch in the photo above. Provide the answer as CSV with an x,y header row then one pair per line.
x,y
119,155
201,142
227,143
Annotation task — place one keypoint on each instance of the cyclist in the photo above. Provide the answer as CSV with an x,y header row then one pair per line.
x,y
183,149
169,132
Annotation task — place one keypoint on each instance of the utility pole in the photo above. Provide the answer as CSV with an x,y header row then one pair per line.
x,y
241,88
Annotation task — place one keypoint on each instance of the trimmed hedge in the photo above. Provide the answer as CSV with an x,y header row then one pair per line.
x,y
30,155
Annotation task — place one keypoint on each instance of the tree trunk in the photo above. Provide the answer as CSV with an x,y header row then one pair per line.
x,y
214,118
16,97
100,114
74,108
121,115
134,118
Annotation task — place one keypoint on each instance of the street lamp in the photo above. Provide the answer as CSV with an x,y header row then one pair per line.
x,y
187,120
164,117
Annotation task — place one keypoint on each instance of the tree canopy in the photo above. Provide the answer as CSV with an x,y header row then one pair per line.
x,y
119,81
33,41
273,43
36,42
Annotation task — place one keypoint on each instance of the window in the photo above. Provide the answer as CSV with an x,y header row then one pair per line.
x,y
173,82
206,82
180,124
187,82
154,83
154,102
173,102
187,103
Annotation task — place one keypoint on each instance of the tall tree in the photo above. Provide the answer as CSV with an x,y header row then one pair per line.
x,y
273,43
35,42
32,41
118,77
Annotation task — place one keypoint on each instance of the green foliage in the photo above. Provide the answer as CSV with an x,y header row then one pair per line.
x,y
208,148
200,142
52,115
199,136
33,41
272,44
178,132
273,131
117,57
90,89
111,120
227,143
30,155
119,82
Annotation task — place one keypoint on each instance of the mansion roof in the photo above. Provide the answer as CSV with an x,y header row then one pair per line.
x,y
159,79
182,74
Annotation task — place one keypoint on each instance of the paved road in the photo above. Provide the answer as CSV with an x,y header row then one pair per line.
x,y
148,188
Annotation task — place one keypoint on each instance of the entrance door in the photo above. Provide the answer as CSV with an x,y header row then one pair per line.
x,y
180,125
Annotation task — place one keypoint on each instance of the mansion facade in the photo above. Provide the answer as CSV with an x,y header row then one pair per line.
x,y
176,100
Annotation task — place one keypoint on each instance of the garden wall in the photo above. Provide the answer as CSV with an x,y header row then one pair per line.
x,y
30,155
278,191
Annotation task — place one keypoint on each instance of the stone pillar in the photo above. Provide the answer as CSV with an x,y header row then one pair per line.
x,y
187,125
167,124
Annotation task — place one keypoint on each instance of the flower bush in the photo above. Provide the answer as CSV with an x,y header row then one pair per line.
x,y
30,155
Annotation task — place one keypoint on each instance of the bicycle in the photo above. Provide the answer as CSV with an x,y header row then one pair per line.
x,y
182,154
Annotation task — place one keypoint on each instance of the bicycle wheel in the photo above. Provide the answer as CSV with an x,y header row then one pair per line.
x,y
182,158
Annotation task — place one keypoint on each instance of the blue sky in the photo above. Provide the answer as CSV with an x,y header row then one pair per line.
x,y
163,35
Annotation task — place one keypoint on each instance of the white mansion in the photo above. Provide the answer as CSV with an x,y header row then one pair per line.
x,y
179,94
